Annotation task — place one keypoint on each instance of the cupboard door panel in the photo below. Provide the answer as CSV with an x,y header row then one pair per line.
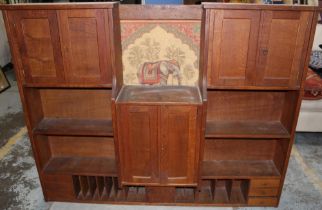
x,y
178,144
37,35
282,46
233,44
138,139
84,35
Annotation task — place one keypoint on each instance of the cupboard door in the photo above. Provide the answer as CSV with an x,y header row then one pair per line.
x,y
233,38
178,144
37,36
85,35
282,46
138,143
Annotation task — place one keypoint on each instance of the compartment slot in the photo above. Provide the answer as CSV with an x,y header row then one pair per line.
x,y
185,195
93,187
224,191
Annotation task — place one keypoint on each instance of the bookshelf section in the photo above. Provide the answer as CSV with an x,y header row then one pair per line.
x,y
249,114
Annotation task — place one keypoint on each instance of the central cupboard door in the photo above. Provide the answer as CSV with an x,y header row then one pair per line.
x,y
233,38
178,143
138,144
85,44
158,144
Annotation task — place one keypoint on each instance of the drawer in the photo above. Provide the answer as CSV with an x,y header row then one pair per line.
x,y
264,183
263,192
264,201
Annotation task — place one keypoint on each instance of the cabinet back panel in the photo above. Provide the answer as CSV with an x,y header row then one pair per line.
x,y
245,105
239,149
81,146
78,104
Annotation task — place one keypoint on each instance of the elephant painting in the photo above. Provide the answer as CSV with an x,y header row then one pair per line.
x,y
157,73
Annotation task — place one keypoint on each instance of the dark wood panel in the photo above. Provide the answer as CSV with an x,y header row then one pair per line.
x,y
160,12
63,146
76,103
81,166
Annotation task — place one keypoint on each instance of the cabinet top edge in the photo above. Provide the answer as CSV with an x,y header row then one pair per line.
x,y
55,6
208,5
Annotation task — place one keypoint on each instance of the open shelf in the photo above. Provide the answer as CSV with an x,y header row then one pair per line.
x,y
74,127
69,155
72,112
243,158
238,168
250,113
246,129
81,166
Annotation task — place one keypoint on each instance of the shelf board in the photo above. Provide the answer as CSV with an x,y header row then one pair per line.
x,y
81,166
238,169
74,127
159,94
246,129
67,85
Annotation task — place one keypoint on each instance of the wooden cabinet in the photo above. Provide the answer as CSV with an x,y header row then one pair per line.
x,y
64,47
223,143
38,41
158,141
256,48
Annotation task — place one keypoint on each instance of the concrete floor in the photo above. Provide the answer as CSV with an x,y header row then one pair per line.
x,y
20,187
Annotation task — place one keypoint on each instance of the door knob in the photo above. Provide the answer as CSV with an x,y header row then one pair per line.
x,y
264,51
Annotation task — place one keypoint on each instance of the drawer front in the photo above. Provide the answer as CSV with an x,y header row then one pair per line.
x,y
263,192
267,201
264,183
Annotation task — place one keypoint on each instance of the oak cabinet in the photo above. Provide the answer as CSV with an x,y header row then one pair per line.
x,y
225,143
256,48
158,144
64,46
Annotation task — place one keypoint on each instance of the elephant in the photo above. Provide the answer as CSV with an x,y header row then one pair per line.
x,y
157,73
